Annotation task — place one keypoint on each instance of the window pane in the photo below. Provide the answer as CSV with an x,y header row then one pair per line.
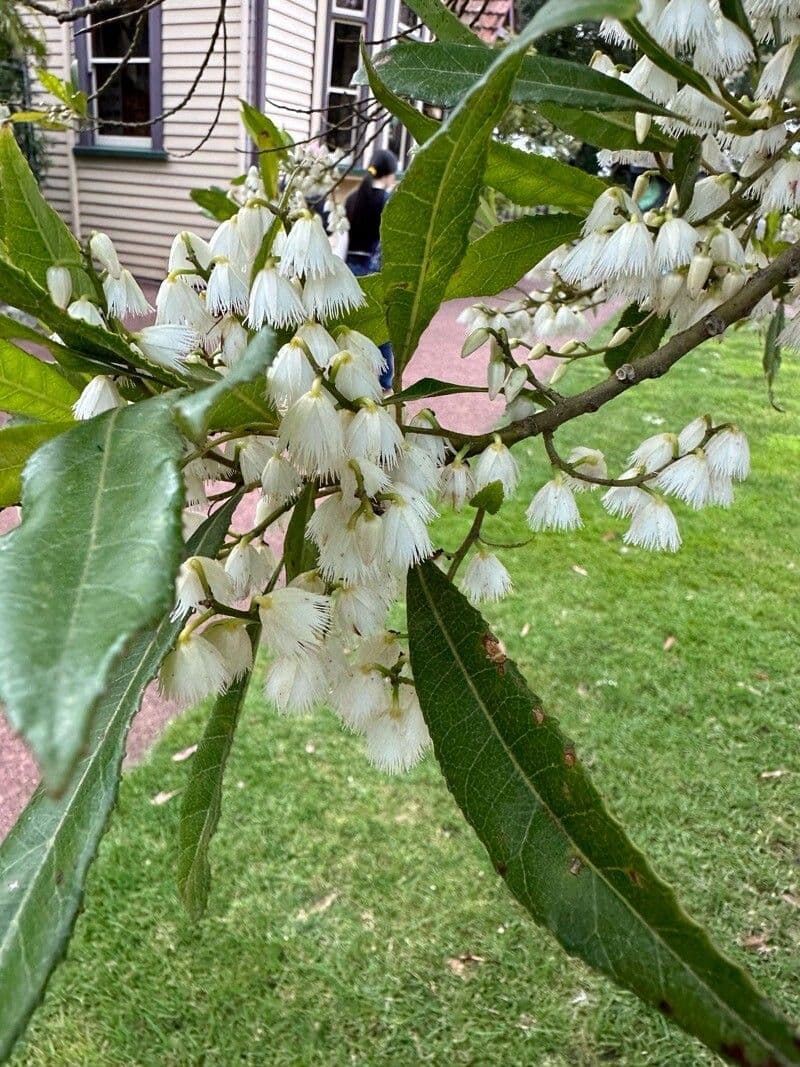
x,y
344,59
126,100
342,121
405,16
349,5
113,39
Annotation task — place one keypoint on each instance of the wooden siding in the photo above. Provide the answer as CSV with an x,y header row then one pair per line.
x,y
290,46
142,203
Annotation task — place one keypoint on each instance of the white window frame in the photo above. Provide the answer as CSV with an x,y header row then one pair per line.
x,y
112,140
351,91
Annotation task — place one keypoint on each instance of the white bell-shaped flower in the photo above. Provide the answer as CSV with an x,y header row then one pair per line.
x,y
397,738
553,507
59,286
653,526
193,670
102,248
729,453
311,432
623,500
334,294
307,253
485,578
101,394
274,300
675,244
589,461
291,375
293,622
124,295
168,346
227,290
688,478
231,640
374,434
249,567
295,684
496,464
354,377
655,452
320,343
456,484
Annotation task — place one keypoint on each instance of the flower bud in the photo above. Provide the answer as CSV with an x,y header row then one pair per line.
x,y
516,380
474,341
369,533
559,372
496,375
731,284
642,124
699,270
538,350
620,337
102,248
59,285
568,348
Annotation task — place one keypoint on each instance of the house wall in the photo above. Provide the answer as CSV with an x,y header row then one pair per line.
x,y
291,41
142,203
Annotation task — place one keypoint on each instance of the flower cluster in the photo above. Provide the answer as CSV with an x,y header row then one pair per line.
x,y
376,476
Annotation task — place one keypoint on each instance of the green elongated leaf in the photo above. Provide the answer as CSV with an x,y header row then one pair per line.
x,y
202,798
22,291
429,387
530,801
502,256
214,202
272,144
644,339
425,224
17,445
525,178
615,130
35,237
12,329
686,160
530,180
30,387
300,554
442,73
223,404
441,21
91,565
46,856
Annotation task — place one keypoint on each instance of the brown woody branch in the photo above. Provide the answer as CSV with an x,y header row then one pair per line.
x,y
654,365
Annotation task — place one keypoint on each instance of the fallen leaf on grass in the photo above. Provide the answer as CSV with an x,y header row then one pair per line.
x,y
758,942
582,690
184,754
317,907
526,629
163,797
791,900
670,643
778,773
609,536
463,965
580,570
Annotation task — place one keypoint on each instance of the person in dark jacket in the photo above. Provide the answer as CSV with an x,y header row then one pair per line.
x,y
364,207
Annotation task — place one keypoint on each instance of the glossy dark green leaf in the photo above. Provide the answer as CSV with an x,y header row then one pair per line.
x,y
215,202
529,798
17,445
686,160
425,225
443,72
46,856
499,259
648,331
227,404
28,386
35,236
490,498
615,130
22,291
75,99
525,178
429,387
91,565
202,799
300,554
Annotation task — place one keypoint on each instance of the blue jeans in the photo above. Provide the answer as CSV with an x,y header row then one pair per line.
x,y
361,266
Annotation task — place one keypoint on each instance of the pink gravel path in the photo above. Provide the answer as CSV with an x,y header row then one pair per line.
x,y
438,356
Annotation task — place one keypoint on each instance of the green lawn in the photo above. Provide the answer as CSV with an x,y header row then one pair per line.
x,y
342,899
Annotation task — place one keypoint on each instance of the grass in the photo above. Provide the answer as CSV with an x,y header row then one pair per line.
x,y
343,900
